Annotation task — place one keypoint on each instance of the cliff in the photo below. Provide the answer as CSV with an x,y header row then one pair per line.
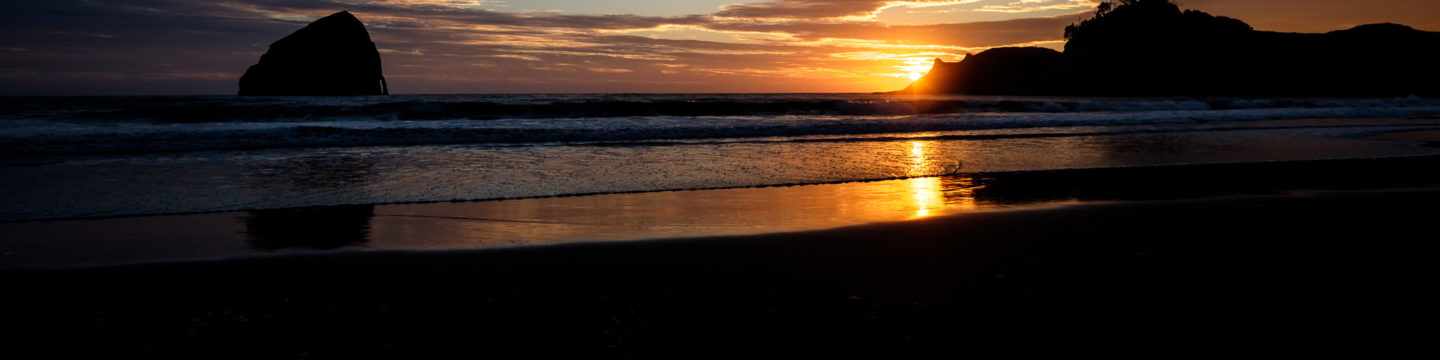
x,y
1001,70
331,56
1153,48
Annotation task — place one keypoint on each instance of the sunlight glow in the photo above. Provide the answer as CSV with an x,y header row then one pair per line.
x,y
917,65
927,196
917,152
926,193
926,158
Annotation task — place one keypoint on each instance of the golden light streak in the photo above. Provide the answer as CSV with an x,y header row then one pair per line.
x,y
926,196
917,152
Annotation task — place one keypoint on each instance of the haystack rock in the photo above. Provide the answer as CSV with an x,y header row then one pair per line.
x,y
331,56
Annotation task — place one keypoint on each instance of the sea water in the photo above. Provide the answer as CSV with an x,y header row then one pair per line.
x,y
76,157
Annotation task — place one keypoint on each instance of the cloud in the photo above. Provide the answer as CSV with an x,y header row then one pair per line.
x,y
802,9
174,46
979,34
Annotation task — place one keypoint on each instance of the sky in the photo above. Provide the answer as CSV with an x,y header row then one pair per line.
x,y
184,47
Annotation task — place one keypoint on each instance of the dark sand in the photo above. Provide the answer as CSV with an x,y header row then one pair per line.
x,y
1278,271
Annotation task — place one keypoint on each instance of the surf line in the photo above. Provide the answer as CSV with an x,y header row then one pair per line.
x,y
492,220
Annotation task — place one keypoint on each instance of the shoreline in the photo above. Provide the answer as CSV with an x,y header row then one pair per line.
x,y
716,240
668,215
229,181
1228,272
1280,256
1422,137
1292,257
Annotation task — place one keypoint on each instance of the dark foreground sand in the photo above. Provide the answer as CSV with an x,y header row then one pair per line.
x,y
1275,274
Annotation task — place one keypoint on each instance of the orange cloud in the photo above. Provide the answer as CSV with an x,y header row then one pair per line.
x,y
439,46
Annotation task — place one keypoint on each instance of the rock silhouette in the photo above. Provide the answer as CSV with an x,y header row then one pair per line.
x,y
331,56
1153,48
1001,70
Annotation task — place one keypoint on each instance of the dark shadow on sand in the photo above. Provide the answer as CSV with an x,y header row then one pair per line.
x,y
320,228
1194,181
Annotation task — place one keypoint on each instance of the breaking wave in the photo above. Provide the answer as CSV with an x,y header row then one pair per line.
x,y
30,126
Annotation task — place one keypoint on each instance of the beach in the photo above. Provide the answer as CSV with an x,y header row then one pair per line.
x,y
788,179
623,217
829,225
1303,257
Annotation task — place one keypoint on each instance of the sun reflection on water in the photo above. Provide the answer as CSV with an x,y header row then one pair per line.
x,y
929,186
927,195
919,160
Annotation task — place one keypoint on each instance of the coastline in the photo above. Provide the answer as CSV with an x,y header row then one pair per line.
x,y
657,216
593,180
200,180
1276,256
1225,272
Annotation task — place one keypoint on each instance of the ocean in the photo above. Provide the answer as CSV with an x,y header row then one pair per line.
x,y
80,157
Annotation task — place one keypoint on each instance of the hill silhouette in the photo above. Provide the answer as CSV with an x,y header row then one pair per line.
x,y
331,56
1153,48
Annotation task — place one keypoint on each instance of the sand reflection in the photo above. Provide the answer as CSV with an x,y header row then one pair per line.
x,y
687,213
667,214
927,196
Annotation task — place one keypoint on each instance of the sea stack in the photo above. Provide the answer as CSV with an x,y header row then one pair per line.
x,y
331,56
1154,48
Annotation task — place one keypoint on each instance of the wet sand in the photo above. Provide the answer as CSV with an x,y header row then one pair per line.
x,y
1284,258
664,215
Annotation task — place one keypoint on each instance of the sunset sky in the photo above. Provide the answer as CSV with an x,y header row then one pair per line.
x,y
124,47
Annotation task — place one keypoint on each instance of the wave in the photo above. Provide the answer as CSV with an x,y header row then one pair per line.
x,y
73,139
492,107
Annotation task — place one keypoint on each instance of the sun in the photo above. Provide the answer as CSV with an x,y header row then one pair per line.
x,y
915,75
